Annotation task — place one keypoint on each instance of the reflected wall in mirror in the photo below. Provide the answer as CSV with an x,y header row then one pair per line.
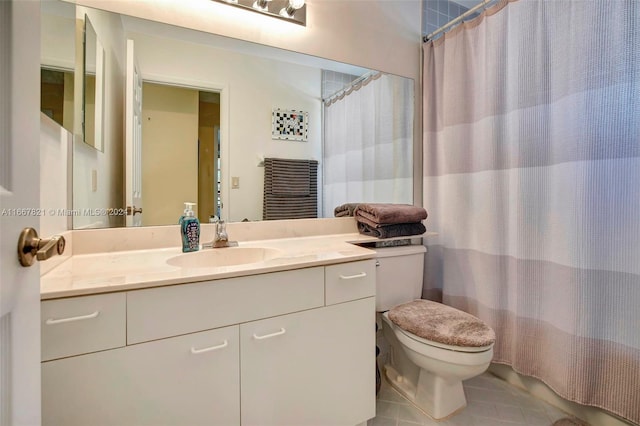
x,y
250,80
98,180
58,64
70,47
250,84
368,149
92,87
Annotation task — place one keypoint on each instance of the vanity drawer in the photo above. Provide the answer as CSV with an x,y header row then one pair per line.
x,y
82,324
350,281
180,309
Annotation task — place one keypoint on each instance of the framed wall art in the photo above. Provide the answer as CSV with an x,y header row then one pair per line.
x,y
289,125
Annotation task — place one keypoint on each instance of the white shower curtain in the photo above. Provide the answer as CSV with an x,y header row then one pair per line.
x,y
368,144
532,180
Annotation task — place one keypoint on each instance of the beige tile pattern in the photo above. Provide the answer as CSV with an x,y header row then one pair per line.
x,y
491,402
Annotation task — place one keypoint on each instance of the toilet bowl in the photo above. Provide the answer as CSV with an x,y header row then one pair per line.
x,y
428,371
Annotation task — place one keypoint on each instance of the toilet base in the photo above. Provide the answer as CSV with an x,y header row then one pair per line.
x,y
434,396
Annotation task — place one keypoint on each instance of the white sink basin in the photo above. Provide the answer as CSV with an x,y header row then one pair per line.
x,y
228,256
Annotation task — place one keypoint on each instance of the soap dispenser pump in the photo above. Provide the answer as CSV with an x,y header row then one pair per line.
x,y
189,229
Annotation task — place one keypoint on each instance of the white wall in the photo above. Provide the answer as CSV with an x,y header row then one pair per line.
x,y
55,149
253,86
55,187
108,165
57,41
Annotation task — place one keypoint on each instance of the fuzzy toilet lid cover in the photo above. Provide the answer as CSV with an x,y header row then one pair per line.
x,y
441,323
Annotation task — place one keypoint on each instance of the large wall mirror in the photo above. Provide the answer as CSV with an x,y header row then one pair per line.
x,y
194,114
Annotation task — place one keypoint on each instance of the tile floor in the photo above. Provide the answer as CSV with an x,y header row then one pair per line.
x,y
490,402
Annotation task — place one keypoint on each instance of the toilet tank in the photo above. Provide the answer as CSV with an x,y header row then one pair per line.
x,y
398,275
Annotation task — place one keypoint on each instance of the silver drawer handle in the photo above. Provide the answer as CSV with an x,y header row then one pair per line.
x,y
350,277
266,336
52,321
209,349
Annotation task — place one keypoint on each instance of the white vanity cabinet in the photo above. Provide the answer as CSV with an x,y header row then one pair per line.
x,y
185,380
81,325
284,348
310,368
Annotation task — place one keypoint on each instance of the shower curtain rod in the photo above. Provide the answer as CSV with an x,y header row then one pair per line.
x,y
483,3
354,85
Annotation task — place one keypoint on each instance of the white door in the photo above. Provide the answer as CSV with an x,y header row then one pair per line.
x,y
19,204
133,139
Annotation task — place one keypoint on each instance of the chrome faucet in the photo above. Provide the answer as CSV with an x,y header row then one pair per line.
x,y
220,238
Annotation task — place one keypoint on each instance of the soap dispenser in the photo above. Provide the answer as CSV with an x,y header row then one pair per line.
x,y
189,229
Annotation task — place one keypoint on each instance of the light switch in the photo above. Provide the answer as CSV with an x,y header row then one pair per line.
x,y
94,180
235,182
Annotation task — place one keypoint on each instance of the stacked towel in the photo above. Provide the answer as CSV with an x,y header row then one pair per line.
x,y
345,210
390,220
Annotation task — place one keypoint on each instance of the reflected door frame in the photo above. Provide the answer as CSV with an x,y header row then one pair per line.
x,y
133,139
223,89
217,187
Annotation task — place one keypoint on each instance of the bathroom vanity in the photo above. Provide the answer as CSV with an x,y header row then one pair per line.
x,y
283,341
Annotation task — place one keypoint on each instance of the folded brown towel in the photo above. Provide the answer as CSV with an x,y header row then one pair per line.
x,y
390,214
391,231
345,210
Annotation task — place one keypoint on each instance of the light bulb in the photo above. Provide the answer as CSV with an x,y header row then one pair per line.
x,y
296,4
291,8
262,5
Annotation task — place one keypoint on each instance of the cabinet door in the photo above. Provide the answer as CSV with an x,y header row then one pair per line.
x,y
186,380
315,367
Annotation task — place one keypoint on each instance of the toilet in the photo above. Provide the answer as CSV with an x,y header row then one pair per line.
x,y
432,347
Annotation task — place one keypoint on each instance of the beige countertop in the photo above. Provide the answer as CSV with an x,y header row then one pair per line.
x,y
128,270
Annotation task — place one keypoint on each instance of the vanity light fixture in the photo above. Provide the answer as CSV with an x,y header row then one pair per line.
x,y
289,10
292,7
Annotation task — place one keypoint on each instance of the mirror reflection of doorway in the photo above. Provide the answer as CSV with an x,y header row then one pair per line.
x,y
180,152
56,96
209,204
